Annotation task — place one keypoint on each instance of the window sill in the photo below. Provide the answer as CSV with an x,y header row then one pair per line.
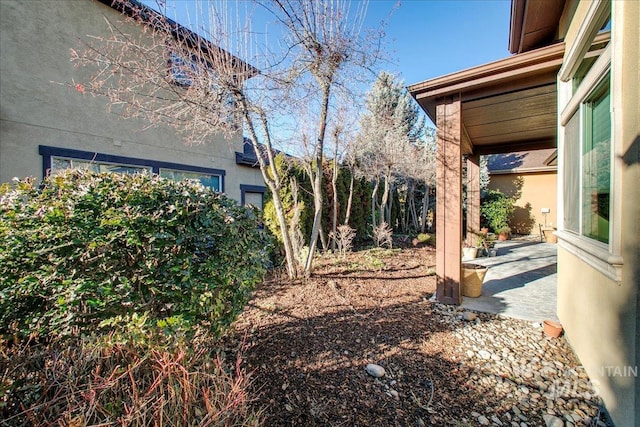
x,y
595,254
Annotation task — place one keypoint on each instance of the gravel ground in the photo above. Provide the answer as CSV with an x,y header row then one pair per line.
x,y
308,345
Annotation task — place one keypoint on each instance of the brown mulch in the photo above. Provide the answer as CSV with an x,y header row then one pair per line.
x,y
308,344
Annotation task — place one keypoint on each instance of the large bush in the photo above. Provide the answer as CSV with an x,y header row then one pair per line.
x,y
496,210
137,254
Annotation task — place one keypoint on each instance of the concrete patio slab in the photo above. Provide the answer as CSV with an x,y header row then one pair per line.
x,y
521,282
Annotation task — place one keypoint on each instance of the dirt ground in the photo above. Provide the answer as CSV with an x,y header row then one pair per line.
x,y
307,345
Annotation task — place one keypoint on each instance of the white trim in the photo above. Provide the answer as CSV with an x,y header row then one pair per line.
x,y
596,16
591,80
593,253
604,257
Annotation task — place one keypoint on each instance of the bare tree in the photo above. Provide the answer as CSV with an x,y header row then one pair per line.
x,y
330,49
385,148
423,170
165,74
169,75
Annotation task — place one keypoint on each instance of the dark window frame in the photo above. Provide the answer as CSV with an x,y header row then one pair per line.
x,y
47,152
252,189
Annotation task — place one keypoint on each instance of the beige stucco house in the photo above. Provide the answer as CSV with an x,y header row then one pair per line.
x,y
530,177
45,125
573,84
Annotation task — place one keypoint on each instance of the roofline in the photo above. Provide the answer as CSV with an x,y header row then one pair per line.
x,y
153,18
523,170
492,70
539,62
515,24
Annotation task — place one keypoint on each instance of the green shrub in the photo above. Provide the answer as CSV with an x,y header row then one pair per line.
x,y
496,210
424,237
137,254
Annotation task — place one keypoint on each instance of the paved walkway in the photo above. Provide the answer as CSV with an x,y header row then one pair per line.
x,y
521,281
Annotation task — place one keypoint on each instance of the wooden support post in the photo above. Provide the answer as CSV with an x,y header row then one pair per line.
x,y
473,198
449,201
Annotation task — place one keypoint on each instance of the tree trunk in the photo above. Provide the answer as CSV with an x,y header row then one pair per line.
x,y
347,215
374,196
385,201
323,240
316,181
334,187
272,183
425,208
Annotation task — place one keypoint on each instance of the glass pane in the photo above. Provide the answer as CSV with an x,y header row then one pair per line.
x,y
253,199
59,163
211,181
596,165
571,182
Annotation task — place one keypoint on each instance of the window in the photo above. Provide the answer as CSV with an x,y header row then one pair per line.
x,y
252,195
590,226
186,70
181,70
54,158
587,173
58,163
571,183
208,180
596,164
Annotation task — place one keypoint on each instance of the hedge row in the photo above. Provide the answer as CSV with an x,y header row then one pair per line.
x,y
136,254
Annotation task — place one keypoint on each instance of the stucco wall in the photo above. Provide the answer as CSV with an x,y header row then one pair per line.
x,y
598,317
538,189
35,40
600,314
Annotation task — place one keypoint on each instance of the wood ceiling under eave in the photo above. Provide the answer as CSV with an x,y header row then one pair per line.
x,y
534,24
524,118
506,105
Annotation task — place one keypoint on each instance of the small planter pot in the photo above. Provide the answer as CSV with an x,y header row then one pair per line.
x,y
469,253
503,237
472,278
552,329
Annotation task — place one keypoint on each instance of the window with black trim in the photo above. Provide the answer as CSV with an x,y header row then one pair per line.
x,y
252,195
55,158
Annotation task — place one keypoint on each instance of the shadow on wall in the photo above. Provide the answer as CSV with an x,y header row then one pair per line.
x,y
505,161
522,221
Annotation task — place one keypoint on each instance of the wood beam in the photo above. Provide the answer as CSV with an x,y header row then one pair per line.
x,y
473,198
449,200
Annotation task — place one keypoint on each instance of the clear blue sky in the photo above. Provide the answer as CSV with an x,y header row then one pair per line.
x,y
430,38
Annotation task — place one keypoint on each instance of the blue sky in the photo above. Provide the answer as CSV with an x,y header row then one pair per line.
x,y
430,38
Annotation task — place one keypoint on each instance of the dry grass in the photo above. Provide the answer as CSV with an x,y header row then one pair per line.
x,y
77,384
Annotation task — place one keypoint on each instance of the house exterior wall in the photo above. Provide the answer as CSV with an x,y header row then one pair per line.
x,y
598,298
538,189
35,42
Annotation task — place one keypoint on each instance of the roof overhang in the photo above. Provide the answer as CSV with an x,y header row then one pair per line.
x,y
156,20
510,101
534,23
